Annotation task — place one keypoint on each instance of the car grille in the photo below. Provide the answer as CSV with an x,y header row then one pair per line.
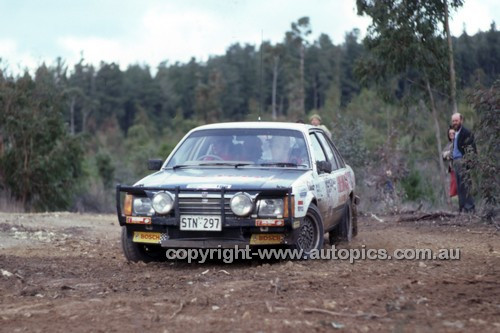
x,y
189,205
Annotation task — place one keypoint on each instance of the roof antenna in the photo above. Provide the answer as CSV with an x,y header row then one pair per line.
x,y
260,78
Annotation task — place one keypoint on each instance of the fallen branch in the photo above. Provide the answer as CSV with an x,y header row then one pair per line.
x,y
377,218
427,216
176,312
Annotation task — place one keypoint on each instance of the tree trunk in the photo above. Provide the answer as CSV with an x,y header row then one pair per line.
x,y
86,111
275,83
453,82
302,93
315,94
72,114
84,119
442,170
280,109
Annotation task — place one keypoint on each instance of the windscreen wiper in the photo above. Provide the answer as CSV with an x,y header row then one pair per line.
x,y
225,163
282,164
179,166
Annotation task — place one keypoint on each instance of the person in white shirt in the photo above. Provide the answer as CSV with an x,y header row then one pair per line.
x,y
315,120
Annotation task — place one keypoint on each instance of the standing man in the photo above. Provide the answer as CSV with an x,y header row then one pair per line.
x,y
462,144
316,121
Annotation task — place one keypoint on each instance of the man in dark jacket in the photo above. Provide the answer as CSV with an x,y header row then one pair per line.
x,y
462,145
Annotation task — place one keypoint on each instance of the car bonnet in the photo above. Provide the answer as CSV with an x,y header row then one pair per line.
x,y
244,177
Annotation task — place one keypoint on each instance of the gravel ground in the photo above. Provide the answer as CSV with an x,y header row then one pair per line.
x,y
66,272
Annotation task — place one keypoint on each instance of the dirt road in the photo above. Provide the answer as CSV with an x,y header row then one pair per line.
x,y
66,272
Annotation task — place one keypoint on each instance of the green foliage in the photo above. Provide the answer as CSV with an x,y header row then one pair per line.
x,y
128,115
348,138
140,147
477,57
416,187
483,166
105,168
295,43
165,149
407,40
208,98
41,163
405,37
352,50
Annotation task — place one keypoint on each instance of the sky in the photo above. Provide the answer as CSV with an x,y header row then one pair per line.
x,y
148,32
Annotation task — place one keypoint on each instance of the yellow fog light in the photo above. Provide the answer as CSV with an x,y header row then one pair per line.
x,y
127,205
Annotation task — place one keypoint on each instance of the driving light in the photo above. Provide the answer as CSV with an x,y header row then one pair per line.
x,y
163,202
241,204
271,207
127,205
142,206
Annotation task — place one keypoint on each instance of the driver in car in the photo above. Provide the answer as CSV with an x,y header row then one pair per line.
x,y
221,149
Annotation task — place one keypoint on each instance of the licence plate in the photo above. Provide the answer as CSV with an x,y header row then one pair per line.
x,y
201,222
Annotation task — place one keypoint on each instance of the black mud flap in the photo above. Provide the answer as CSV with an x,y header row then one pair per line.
x,y
355,216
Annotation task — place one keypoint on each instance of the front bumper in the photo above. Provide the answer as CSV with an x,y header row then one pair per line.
x,y
235,231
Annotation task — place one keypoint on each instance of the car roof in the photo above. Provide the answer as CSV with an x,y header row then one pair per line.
x,y
257,124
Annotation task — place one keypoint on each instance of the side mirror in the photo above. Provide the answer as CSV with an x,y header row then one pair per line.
x,y
324,166
155,164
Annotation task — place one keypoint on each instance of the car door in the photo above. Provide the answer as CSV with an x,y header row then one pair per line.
x,y
342,179
321,181
336,205
348,181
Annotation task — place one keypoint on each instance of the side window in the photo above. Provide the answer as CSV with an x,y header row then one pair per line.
x,y
328,150
339,157
319,155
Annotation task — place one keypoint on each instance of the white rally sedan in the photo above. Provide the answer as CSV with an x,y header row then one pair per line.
x,y
238,184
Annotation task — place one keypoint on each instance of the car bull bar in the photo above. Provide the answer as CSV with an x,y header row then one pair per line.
x,y
173,218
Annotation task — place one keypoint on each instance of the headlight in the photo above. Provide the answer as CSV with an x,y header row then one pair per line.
x,y
270,207
163,202
142,206
241,204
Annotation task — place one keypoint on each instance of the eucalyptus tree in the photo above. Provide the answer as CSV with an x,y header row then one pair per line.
x,y
408,38
296,44
40,163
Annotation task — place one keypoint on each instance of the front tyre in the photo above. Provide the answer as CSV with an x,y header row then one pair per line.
x,y
140,252
310,232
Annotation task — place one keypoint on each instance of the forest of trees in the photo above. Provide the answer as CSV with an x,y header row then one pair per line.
x,y
69,134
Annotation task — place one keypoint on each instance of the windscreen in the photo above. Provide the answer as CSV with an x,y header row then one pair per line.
x,y
258,147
